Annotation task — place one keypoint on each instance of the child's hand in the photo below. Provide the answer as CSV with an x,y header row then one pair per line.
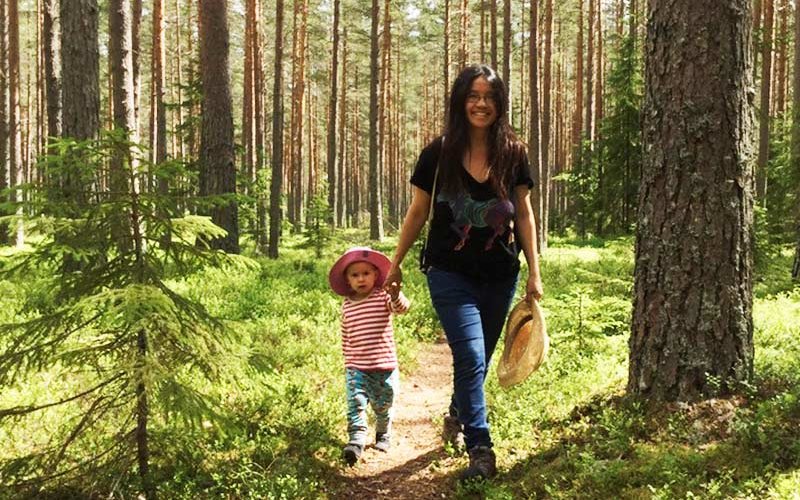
x,y
393,289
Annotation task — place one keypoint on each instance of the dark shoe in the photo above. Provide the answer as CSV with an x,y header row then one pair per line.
x,y
351,453
383,441
482,464
453,433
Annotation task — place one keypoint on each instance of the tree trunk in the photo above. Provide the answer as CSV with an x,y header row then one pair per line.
x,y
217,157
546,98
493,33
446,62
52,68
4,170
121,58
80,77
298,95
276,183
795,151
159,134
780,74
16,174
136,23
589,71
483,31
248,100
692,331
463,52
333,192
764,113
507,53
577,128
375,202
534,138
341,194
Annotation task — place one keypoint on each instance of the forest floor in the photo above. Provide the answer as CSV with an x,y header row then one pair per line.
x,y
417,466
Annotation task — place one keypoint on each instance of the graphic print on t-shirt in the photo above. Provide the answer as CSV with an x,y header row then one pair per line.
x,y
468,213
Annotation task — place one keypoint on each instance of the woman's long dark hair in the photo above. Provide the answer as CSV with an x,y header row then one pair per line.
x,y
506,151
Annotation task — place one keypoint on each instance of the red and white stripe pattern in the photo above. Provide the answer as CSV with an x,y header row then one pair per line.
x,y
367,333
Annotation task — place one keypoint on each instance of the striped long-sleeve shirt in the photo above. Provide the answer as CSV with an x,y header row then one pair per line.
x,y
367,334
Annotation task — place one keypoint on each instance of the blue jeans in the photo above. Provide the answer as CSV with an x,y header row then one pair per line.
x,y
472,315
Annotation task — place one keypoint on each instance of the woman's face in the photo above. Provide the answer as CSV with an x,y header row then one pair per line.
x,y
480,105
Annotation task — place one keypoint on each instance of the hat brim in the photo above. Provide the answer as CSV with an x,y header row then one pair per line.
x,y
526,343
336,276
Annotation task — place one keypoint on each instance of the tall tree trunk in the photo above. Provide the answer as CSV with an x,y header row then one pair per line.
x,y
483,32
248,100
375,202
158,137
4,170
446,62
121,58
692,332
782,44
795,152
217,157
342,115
577,127
463,52
298,96
52,68
136,23
80,75
589,71
534,138
276,183
16,175
384,108
764,113
333,192
546,98
493,34
507,53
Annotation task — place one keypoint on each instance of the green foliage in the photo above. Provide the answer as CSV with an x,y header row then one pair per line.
x,y
104,321
318,229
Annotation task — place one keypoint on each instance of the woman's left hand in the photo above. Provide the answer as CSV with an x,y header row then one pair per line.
x,y
534,286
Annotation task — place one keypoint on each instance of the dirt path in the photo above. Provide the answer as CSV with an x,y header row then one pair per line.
x,y
417,466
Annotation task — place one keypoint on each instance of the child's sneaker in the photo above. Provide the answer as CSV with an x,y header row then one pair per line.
x,y
453,433
383,441
351,453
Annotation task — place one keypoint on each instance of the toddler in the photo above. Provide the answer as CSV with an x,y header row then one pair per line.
x,y
368,344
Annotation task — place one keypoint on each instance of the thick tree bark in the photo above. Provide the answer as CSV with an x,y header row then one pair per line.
x,y
782,44
217,156
692,332
375,201
507,52
276,183
80,77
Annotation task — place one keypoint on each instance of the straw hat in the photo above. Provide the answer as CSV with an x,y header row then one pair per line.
x,y
525,345
337,279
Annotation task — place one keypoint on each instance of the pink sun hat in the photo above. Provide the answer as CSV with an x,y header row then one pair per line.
x,y
337,278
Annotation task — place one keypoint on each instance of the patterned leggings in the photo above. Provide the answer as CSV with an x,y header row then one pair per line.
x,y
379,390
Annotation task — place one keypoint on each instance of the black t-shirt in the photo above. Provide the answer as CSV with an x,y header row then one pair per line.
x,y
470,233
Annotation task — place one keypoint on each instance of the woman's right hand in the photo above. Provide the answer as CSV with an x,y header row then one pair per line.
x,y
393,278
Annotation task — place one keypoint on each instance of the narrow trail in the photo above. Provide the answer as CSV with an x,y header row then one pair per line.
x,y
417,466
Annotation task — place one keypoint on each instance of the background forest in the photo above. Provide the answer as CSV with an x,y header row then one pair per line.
x,y
146,350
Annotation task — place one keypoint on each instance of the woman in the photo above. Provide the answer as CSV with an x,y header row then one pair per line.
x,y
482,217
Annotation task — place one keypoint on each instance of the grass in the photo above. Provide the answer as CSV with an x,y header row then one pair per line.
x,y
567,432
